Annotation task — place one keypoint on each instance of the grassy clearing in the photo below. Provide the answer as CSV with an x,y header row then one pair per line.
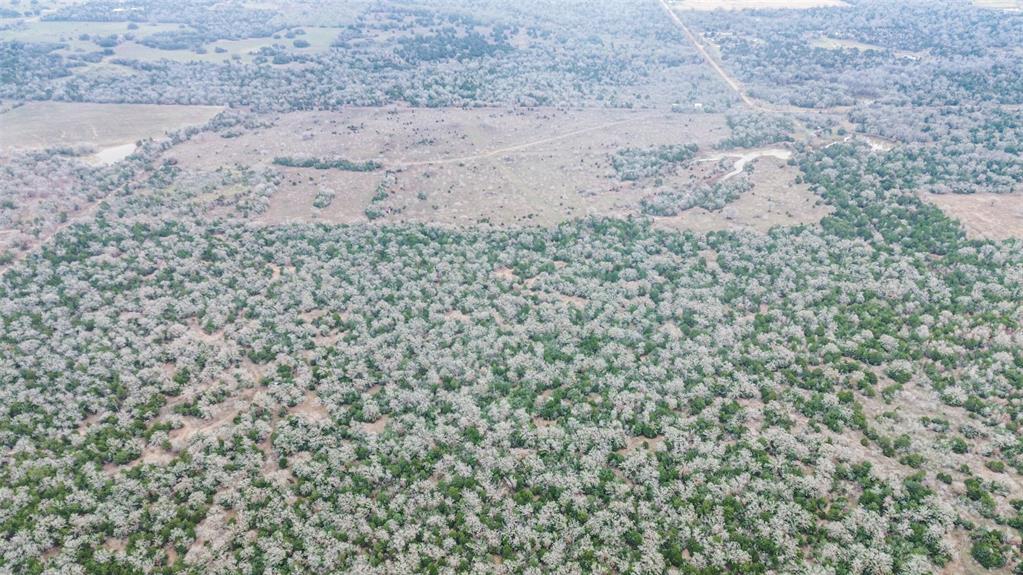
x,y
1000,4
984,216
319,39
503,166
69,32
752,4
228,49
47,124
775,200
839,44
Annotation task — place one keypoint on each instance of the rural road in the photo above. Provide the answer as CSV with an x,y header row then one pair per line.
x,y
744,157
732,83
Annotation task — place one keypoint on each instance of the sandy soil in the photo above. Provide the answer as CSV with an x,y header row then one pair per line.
x,y
311,409
111,155
376,427
635,443
744,157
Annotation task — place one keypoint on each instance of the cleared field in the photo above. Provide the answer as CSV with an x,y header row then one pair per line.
x,y
35,6
752,4
311,12
840,44
70,32
775,200
319,40
454,165
1000,4
984,216
46,124
502,166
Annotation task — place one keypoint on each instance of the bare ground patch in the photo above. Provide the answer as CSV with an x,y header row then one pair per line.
x,y
115,544
1014,5
753,4
211,536
636,443
376,427
49,124
311,409
225,413
775,200
984,216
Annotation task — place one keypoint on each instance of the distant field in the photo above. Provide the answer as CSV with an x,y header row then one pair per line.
x,y
455,166
842,44
838,44
69,32
775,200
984,216
320,39
503,166
44,124
752,4
1000,4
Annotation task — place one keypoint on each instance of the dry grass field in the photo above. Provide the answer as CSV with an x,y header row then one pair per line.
x,y
840,44
102,126
41,6
70,32
704,5
843,44
984,216
775,200
311,12
501,166
1000,4
244,50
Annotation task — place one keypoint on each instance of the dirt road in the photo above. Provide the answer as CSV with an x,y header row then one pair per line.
x,y
500,151
732,82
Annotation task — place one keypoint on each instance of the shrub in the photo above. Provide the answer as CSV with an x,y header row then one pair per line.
x,y
989,549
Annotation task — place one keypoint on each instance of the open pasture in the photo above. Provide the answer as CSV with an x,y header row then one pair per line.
x,y
707,5
984,216
1000,4
73,34
495,165
244,50
101,126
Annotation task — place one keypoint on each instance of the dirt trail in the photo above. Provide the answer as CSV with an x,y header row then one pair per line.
x,y
515,148
745,157
732,83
